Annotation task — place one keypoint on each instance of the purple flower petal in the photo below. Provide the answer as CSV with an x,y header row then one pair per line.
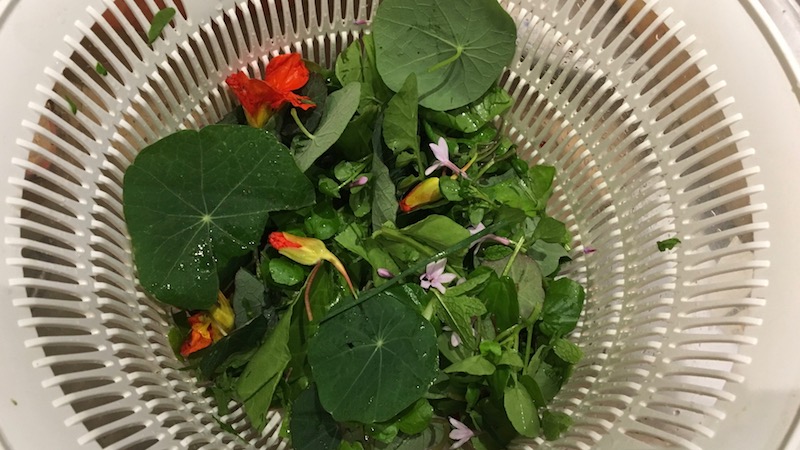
x,y
385,273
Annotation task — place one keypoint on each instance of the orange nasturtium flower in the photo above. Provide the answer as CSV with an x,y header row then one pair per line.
x,y
209,326
307,251
261,98
424,193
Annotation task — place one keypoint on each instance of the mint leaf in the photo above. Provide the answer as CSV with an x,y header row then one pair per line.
x,y
457,312
339,108
262,374
384,201
196,201
667,244
160,20
527,279
501,300
400,124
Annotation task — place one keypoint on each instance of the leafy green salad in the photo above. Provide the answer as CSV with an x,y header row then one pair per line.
x,y
361,247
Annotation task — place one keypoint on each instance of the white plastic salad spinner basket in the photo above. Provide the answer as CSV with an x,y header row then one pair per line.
x,y
664,118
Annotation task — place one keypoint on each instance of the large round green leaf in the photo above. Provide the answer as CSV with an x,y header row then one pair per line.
x,y
457,48
372,361
194,202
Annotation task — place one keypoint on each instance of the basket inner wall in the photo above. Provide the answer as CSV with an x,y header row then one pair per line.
x,y
604,90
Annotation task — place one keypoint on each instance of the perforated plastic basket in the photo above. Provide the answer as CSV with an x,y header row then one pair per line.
x,y
670,118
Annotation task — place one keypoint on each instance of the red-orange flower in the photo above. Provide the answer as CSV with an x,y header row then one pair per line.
x,y
208,326
261,98
309,252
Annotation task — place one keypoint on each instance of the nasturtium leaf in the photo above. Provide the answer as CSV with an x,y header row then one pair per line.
x,y
348,170
401,122
195,202
457,48
248,297
311,426
450,189
160,20
262,374
471,118
521,410
339,108
372,361
328,187
563,303
568,351
324,221
285,272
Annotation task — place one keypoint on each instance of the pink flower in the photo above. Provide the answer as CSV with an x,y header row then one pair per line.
x,y
442,155
435,276
455,339
360,181
460,433
489,237
589,250
385,273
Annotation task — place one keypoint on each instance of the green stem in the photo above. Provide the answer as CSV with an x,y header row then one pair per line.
x,y
502,336
528,342
448,61
513,255
300,124
485,167
417,268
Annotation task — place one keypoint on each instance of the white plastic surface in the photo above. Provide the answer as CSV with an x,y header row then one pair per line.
x,y
669,118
